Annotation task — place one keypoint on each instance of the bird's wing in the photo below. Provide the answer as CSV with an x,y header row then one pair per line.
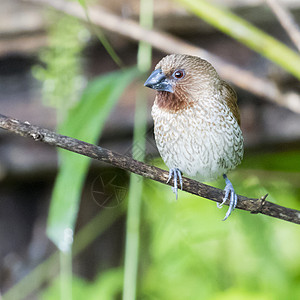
x,y
228,93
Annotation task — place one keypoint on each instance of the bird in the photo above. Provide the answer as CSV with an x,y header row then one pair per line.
x,y
196,122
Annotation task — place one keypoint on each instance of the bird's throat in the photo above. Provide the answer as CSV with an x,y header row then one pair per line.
x,y
171,101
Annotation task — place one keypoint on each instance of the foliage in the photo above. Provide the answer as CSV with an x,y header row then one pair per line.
x,y
187,252
100,35
61,71
85,121
246,33
133,221
193,255
106,286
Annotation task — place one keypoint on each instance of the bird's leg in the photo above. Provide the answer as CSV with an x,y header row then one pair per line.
x,y
233,197
177,175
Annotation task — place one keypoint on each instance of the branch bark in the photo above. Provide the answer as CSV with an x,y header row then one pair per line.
x,y
127,163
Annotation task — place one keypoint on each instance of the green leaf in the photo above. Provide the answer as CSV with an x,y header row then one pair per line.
x,y
107,285
82,3
135,201
85,122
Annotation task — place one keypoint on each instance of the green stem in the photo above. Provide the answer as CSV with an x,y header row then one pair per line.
x,y
102,38
65,275
144,57
134,204
136,182
246,33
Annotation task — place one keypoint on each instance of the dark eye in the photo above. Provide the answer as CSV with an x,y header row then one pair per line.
x,y
178,74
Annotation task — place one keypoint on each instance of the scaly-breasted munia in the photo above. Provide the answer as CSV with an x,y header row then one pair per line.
x,y
196,121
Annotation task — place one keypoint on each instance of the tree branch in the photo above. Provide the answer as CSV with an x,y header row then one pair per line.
x,y
124,162
286,20
165,42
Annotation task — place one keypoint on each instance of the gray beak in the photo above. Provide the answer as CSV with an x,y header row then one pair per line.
x,y
158,81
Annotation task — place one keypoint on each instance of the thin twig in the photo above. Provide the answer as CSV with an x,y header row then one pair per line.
x,y
127,163
170,44
286,20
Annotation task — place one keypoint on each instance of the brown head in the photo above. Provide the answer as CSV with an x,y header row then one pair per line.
x,y
183,80
180,80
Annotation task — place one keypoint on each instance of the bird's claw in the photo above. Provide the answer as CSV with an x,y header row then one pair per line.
x,y
232,200
175,172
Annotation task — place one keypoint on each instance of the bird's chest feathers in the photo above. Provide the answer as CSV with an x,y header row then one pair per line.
x,y
199,125
172,102
188,117
203,140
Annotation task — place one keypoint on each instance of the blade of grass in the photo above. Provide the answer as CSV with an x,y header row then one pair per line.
x,y
65,275
246,33
136,182
102,38
134,205
85,121
144,58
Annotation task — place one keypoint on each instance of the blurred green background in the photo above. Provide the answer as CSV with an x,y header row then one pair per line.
x,y
75,229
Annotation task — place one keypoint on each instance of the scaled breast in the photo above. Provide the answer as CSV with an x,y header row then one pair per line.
x,y
204,141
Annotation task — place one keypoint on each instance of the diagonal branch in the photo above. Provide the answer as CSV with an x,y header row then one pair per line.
x,y
286,19
167,43
127,163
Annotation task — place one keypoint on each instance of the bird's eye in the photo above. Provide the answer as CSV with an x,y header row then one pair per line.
x,y
178,74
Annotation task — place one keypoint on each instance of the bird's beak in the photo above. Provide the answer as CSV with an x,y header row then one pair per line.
x,y
158,81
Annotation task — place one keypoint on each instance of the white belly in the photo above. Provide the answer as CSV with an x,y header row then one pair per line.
x,y
204,143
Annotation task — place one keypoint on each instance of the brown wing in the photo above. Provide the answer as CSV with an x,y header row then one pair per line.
x,y
229,95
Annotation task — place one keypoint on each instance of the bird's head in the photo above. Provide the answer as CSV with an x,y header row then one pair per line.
x,y
181,80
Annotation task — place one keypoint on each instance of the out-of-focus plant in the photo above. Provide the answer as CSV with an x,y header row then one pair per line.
x,y
101,36
106,286
246,33
82,118
60,74
189,253
132,245
186,251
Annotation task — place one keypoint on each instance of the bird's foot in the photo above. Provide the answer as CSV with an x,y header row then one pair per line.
x,y
232,200
175,172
